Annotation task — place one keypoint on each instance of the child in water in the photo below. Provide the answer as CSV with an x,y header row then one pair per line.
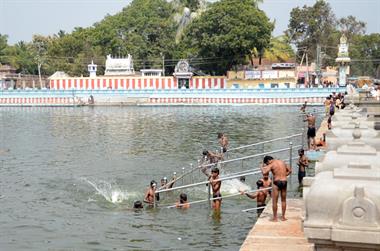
x,y
183,203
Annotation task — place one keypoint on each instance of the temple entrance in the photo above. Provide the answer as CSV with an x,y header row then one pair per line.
x,y
183,83
183,75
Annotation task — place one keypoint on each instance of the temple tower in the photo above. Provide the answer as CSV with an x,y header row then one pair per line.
x,y
343,60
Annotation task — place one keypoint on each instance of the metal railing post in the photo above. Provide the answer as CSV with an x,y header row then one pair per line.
x,y
192,173
183,172
199,170
209,194
290,153
154,200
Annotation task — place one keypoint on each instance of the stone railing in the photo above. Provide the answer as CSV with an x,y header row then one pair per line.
x,y
342,201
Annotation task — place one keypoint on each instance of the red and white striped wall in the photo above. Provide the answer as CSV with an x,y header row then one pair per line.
x,y
113,83
208,100
136,83
36,101
208,83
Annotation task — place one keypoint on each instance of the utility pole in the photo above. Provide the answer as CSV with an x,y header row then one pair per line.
x,y
163,64
307,71
318,64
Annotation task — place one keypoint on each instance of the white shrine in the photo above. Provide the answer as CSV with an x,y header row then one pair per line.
x,y
92,68
119,66
343,60
183,74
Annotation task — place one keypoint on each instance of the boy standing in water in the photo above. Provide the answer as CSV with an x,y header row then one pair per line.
x,y
260,197
150,193
223,141
183,203
215,185
267,182
303,107
303,162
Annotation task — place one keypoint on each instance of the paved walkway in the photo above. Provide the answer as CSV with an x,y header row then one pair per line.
x,y
282,235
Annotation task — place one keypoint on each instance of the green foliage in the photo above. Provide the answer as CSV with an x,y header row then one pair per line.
x,y
351,27
311,25
366,52
227,32
279,50
193,5
3,48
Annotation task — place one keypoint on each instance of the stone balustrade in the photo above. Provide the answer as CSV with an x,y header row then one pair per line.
x,y
342,201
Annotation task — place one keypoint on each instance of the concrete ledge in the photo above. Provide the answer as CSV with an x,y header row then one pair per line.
x,y
282,235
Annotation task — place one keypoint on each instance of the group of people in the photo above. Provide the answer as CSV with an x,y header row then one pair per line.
x,y
151,196
280,171
278,188
373,90
331,103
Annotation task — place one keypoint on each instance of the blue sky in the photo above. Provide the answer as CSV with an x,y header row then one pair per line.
x,y
20,19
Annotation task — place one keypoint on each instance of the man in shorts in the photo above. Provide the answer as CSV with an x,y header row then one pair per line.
x,y
311,131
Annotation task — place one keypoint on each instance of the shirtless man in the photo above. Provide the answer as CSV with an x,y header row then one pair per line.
x,y
223,141
260,197
303,107
311,132
150,193
303,162
183,203
280,171
215,185
212,158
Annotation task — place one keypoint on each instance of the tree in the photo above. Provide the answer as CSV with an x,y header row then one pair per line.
x,y
226,33
350,26
20,56
193,5
279,50
312,25
365,52
40,46
3,48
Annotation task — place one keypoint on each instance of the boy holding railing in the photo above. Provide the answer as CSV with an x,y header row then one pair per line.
x,y
215,185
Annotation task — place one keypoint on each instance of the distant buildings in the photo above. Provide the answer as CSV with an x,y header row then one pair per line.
x,y
9,79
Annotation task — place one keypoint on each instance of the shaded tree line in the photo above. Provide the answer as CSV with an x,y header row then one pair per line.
x,y
226,34
317,24
223,35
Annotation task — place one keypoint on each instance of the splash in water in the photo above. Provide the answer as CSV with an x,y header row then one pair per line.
x,y
234,186
110,192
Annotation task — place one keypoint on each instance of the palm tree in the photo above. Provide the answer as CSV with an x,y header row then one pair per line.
x,y
279,50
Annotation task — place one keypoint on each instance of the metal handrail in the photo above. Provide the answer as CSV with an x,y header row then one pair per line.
x,y
205,182
228,161
254,208
263,142
251,156
226,196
